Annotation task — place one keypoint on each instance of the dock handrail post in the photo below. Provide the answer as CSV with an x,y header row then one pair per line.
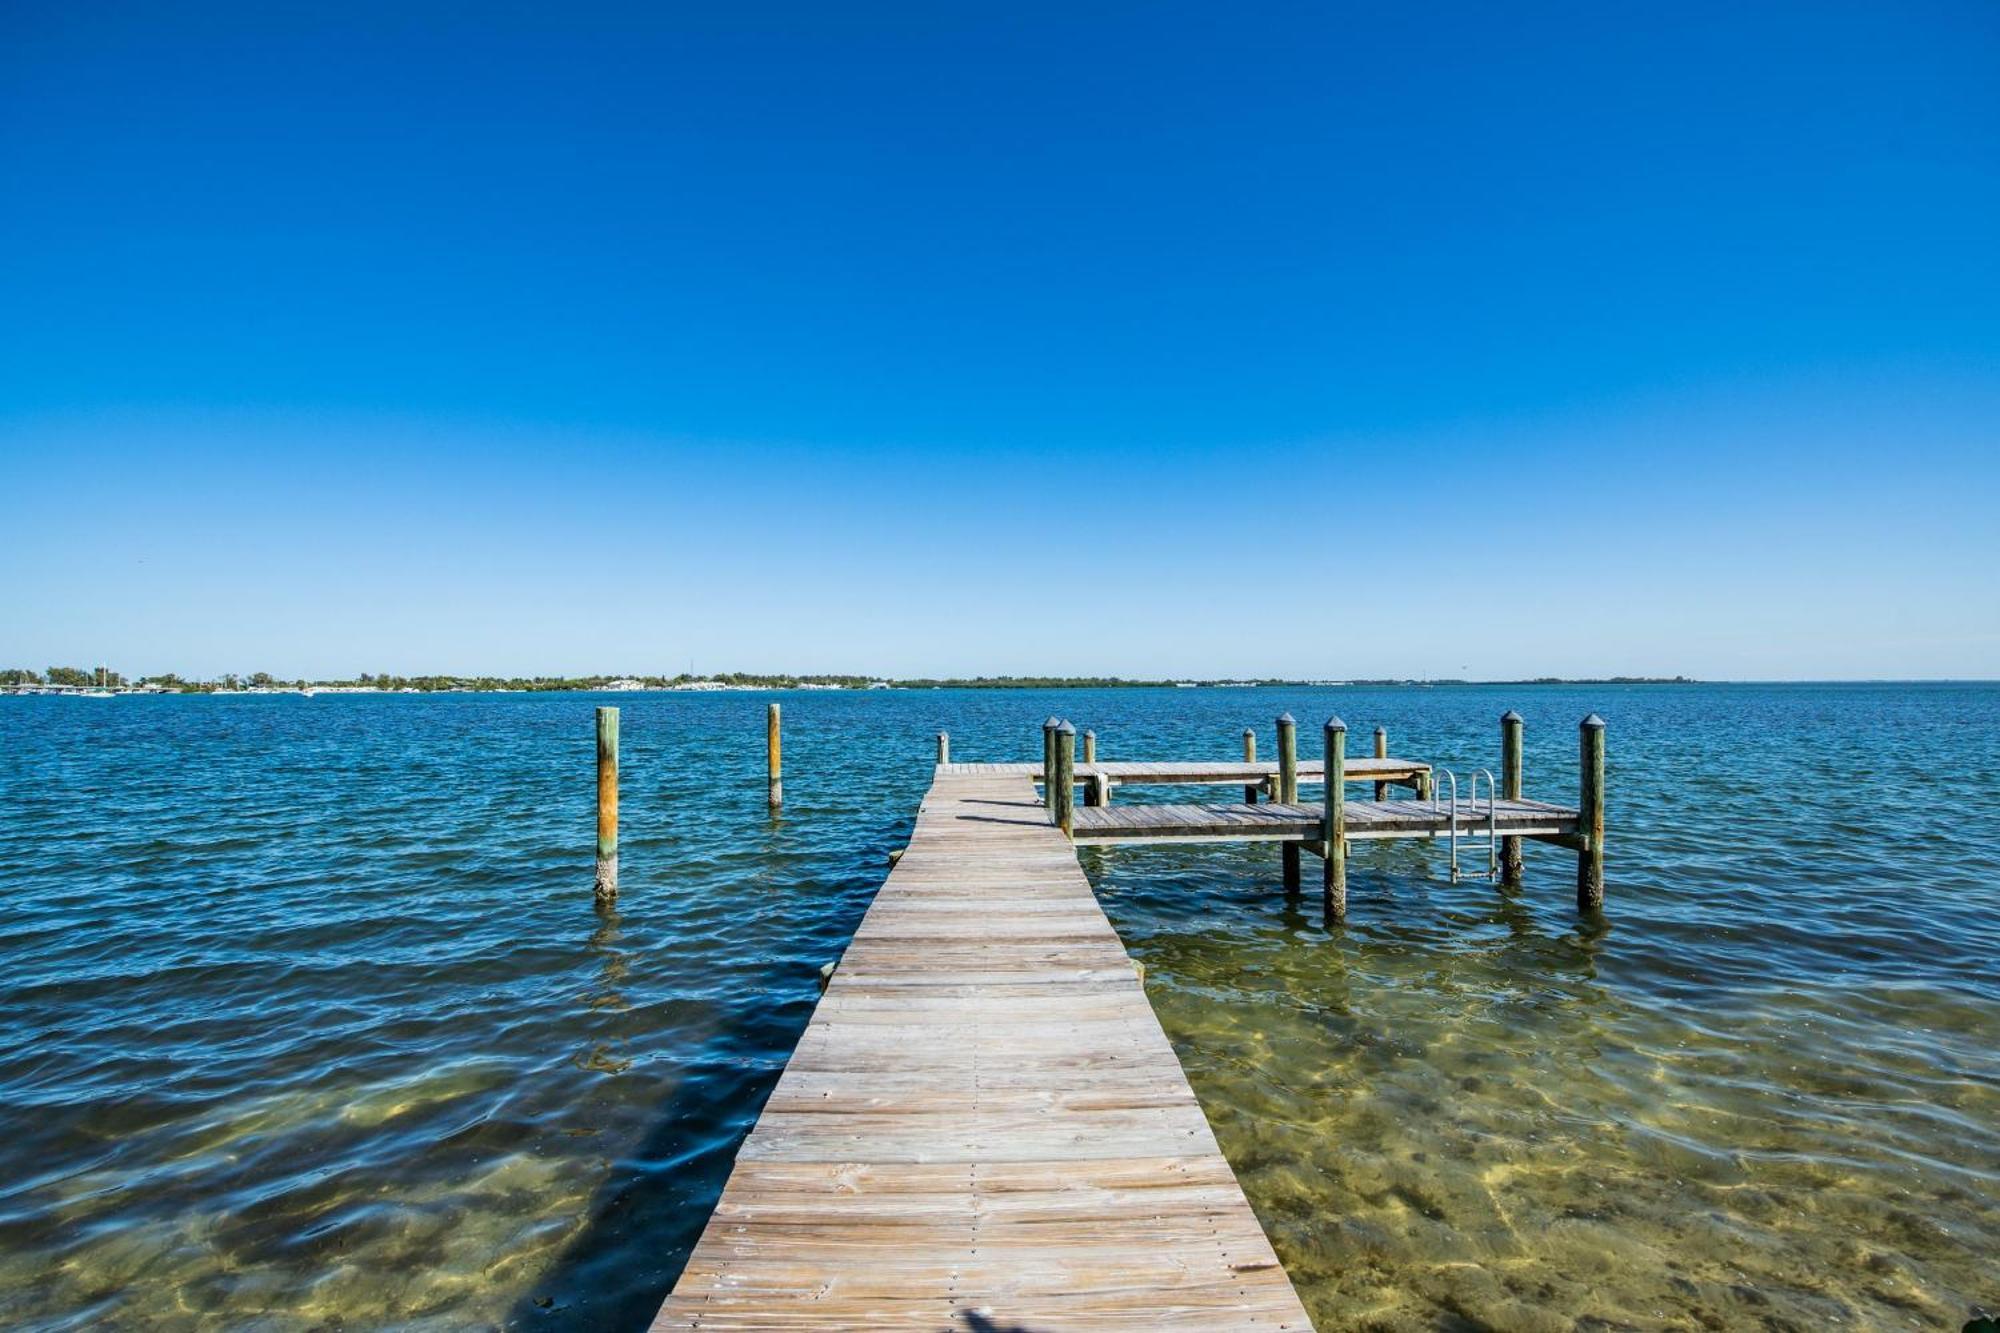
x,y
1334,824
944,747
1590,815
1288,791
1381,752
607,803
1049,762
1089,747
1250,757
774,752
1065,806
1510,790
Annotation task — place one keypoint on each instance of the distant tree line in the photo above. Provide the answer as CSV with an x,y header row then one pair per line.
x,y
388,681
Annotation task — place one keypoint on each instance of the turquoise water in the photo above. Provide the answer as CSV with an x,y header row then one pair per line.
x,y
307,1017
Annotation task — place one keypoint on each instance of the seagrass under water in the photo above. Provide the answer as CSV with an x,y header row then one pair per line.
x,y
309,1018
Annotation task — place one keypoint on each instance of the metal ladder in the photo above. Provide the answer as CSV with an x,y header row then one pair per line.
x,y
1466,815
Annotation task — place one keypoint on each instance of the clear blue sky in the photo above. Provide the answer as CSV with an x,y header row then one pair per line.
x,y
1487,340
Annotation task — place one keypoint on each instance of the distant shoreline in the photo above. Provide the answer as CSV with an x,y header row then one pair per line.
x,y
74,682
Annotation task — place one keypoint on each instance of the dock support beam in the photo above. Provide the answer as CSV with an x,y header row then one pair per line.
x,y
607,803
1590,815
1510,790
1089,747
1249,757
774,754
1381,752
1065,802
1287,792
1049,762
1333,825
944,747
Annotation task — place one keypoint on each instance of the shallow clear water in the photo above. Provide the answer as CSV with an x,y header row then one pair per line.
x,y
307,1017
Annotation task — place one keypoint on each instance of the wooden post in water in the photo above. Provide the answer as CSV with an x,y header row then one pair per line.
x,y
774,754
1510,790
1249,757
1288,790
1065,806
1089,747
1333,824
1590,815
607,803
1381,752
944,747
1049,762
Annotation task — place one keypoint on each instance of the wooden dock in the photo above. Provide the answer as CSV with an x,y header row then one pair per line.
x,y
984,1127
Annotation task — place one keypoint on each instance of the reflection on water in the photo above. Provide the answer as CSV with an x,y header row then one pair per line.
x,y
308,1017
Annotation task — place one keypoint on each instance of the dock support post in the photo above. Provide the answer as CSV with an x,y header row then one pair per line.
x,y
1333,826
1381,752
774,753
944,747
1590,815
1288,790
1089,747
1065,806
1510,790
607,803
1249,757
1049,762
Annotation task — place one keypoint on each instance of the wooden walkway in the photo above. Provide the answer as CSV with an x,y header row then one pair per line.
x,y
984,1127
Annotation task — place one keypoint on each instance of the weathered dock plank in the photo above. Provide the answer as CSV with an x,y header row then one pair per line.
x,y
984,1126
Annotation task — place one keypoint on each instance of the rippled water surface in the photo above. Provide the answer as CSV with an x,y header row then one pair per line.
x,y
308,1019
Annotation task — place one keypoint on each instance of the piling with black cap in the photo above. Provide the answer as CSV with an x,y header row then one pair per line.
x,y
1590,814
1049,761
1065,802
1333,823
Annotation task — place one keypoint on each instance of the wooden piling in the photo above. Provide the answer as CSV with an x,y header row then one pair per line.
x,y
1065,803
1288,790
1333,824
775,786
1049,761
1250,757
1089,747
1590,815
1381,752
607,803
944,747
1510,790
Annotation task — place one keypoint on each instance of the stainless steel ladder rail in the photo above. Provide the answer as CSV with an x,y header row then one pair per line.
x,y
1470,809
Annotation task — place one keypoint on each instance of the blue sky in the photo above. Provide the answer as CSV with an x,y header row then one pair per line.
x,y
1150,340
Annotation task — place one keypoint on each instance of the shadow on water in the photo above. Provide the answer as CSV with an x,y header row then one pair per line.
x,y
654,1203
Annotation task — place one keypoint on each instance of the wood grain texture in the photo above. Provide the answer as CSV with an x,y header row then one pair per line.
x,y
984,1126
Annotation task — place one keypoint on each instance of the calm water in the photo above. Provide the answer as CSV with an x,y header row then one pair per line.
x,y
307,1018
